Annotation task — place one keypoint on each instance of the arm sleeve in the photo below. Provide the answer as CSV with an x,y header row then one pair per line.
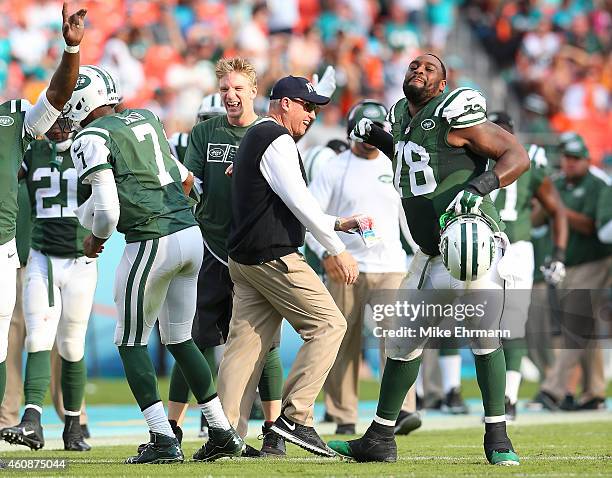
x,y
90,154
382,140
40,117
105,202
280,168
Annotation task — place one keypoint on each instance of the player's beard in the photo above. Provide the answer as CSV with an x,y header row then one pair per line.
x,y
416,94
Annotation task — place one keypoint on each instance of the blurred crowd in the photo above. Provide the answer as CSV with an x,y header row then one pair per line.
x,y
556,53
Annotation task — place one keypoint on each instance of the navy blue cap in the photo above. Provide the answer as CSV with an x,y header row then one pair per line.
x,y
297,87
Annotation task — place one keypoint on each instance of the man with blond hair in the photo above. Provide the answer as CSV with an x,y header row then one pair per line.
x,y
212,146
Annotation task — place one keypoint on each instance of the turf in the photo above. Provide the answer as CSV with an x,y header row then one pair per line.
x,y
546,450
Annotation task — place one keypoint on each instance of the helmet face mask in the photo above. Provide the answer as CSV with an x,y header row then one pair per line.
x,y
468,248
95,87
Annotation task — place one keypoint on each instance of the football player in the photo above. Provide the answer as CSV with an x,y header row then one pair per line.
x,y
20,123
514,205
139,188
441,150
58,290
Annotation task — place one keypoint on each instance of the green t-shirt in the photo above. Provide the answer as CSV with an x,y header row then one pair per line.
x,y
13,140
54,193
514,201
212,147
429,173
583,197
133,144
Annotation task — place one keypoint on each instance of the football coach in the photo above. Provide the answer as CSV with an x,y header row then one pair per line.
x,y
271,209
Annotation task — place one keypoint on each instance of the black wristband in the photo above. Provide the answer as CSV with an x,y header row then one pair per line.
x,y
483,184
558,254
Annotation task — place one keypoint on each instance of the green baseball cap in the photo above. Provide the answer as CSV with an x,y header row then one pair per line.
x,y
574,145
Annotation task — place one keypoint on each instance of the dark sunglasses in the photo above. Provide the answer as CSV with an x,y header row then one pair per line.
x,y
309,107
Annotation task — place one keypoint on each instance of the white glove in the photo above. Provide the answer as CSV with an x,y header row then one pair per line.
x,y
327,85
361,131
554,272
465,202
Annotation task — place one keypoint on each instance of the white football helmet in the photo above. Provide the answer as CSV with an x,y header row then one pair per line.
x,y
211,106
467,245
95,87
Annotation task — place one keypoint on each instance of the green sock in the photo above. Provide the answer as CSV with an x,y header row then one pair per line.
x,y
140,374
271,381
398,377
2,379
209,355
491,375
195,369
179,388
74,378
37,377
514,351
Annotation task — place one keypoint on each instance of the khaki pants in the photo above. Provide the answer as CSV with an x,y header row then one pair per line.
x,y
13,397
341,386
592,275
263,295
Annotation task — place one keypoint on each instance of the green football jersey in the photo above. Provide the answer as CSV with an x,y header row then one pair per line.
x,y
212,147
178,145
55,192
514,201
14,140
133,144
428,172
583,197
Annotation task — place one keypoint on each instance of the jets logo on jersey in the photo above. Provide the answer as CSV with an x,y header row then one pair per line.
x,y
221,153
6,121
428,124
82,82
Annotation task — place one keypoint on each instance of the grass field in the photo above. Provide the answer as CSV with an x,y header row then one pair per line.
x,y
581,449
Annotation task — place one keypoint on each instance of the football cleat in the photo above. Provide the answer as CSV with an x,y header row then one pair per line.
x,y
377,444
161,449
273,444
250,452
178,433
220,444
27,433
73,436
453,403
407,422
301,435
497,446
345,429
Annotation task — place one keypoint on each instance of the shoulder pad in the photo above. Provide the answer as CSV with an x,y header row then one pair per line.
x,y
463,107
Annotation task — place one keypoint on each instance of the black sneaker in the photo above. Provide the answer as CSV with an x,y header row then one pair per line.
x,y
85,431
27,433
407,422
203,433
510,410
497,446
547,401
345,429
377,444
160,449
250,452
301,435
73,435
593,404
178,433
568,404
453,403
273,444
220,444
